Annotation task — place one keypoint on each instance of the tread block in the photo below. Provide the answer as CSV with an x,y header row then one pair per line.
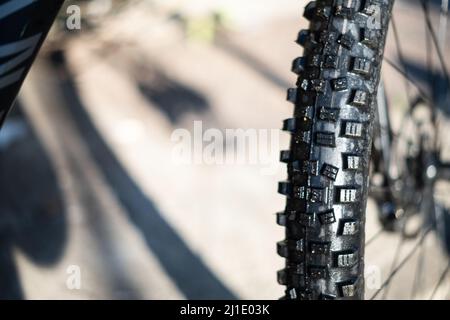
x,y
285,188
329,171
311,73
316,247
352,129
314,195
318,85
367,7
298,65
290,124
326,139
339,84
291,275
300,245
359,98
344,8
361,66
328,41
347,195
345,259
304,112
282,277
327,217
285,156
302,137
328,37
281,219
282,248
303,37
303,84
370,37
291,294
347,41
352,162
310,10
347,289
296,124
301,192
344,12
298,294
292,95
331,61
313,9
286,246
323,12
307,219
328,114
306,99
348,227
309,167
317,195
296,268
318,272
314,60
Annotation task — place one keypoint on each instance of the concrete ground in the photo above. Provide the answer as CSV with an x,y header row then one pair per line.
x,y
92,190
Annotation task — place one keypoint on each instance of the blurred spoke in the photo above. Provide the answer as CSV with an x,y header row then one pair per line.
x,y
422,94
429,59
435,42
394,261
443,24
440,281
402,263
419,272
374,237
402,61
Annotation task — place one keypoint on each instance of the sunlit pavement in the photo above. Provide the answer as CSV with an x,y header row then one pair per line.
x,y
139,225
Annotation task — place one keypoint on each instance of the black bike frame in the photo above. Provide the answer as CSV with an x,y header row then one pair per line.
x,y
24,24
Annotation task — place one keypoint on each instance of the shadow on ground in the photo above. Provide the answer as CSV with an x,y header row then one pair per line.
x,y
32,214
439,88
193,278
172,98
251,61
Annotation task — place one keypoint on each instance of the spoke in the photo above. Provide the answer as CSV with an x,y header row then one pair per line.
x,y
429,59
435,41
443,24
422,94
440,281
419,272
394,261
427,206
402,263
374,237
402,60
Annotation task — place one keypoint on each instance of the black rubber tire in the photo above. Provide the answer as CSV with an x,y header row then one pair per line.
x,y
328,160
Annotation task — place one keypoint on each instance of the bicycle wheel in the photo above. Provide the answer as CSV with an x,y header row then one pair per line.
x,y
329,154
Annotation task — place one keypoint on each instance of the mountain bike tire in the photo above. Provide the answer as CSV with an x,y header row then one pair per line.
x,y
329,155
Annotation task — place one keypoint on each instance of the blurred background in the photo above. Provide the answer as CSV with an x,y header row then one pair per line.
x,y
87,175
